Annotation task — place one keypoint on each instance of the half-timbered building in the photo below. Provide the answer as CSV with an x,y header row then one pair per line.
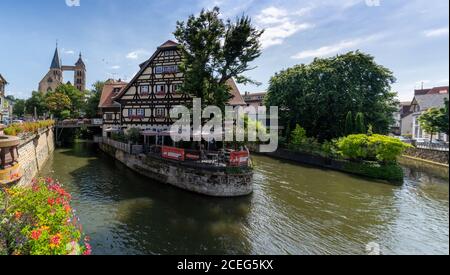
x,y
146,101
109,108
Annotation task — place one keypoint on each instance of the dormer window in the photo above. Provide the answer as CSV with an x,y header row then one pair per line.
x,y
116,90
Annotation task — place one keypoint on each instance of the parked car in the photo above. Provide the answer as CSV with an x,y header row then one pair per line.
x,y
17,121
404,139
422,140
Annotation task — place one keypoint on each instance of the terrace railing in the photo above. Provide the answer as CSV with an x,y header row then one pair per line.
x,y
118,145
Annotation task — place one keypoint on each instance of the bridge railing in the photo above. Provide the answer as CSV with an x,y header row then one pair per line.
x,y
79,122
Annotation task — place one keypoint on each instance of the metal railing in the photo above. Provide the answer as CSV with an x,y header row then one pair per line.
x,y
432,146
118,145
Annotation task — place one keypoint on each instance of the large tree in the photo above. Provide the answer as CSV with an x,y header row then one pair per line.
x,y
36,103
58,103
320,95
19,108
91,106
77,98
215,51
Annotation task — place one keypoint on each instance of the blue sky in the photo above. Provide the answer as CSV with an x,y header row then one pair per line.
x,y
411,37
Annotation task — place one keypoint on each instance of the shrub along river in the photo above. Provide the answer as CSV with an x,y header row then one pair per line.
x,y
295,209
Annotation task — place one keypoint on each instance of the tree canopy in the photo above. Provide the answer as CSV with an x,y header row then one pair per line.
x,y
215,51
319,96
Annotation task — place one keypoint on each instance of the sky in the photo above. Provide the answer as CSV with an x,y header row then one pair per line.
x,y
410,37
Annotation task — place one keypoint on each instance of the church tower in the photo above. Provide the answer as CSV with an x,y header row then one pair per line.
x,y
80,74
54,77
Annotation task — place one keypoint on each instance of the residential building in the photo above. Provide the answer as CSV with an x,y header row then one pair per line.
x,y
55,77
423,101
3,101
110,109
145,102
254,99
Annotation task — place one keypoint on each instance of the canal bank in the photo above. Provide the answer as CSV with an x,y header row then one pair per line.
x,y
294,209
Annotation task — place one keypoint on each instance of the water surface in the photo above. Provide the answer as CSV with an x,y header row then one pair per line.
x,y
294,210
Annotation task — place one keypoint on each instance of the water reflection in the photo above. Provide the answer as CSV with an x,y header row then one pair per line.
x,y
294,210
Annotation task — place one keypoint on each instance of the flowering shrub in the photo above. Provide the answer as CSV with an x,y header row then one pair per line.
x,y
40,221
28,127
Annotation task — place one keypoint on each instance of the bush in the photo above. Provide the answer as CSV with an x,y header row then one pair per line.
x,y
298,136
133,135
40,221
28,127
374,147
389,172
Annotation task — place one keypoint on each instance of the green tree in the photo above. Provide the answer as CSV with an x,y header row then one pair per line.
x,y
19,108
36,102
77,98
349,129
59,104
93,101
298,136
360,126
214,52
321,94
443,119
430,121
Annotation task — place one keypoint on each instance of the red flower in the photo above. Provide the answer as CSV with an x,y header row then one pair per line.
x,y
88,250
51,201
55,240
36,234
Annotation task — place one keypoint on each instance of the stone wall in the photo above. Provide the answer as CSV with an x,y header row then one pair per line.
x,y
217,182
33,153
428,154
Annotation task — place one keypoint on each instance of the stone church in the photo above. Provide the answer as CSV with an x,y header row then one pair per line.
x,y
55,77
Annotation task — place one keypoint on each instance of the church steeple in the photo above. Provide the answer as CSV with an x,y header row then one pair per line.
x,y
56,62
80,62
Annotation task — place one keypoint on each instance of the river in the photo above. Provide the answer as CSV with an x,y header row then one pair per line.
x,y
295,209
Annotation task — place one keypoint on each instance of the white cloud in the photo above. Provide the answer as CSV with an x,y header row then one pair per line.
x,y
436,32
137,54
280,24
115,67
335,48
68,51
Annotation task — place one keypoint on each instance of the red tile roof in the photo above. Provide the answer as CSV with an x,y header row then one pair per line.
x,y
107,98
435,90
236,99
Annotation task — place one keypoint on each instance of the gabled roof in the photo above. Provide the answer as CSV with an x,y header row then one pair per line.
x,y
56,62
435,90
169,44
107,97
236,97
3,80
430,101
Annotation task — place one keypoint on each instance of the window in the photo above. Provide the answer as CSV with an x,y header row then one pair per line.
x,y
136,113
160,89
109,116
140,112
177,88
116,90
159,70
144,90
49,80
170,69
160,112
